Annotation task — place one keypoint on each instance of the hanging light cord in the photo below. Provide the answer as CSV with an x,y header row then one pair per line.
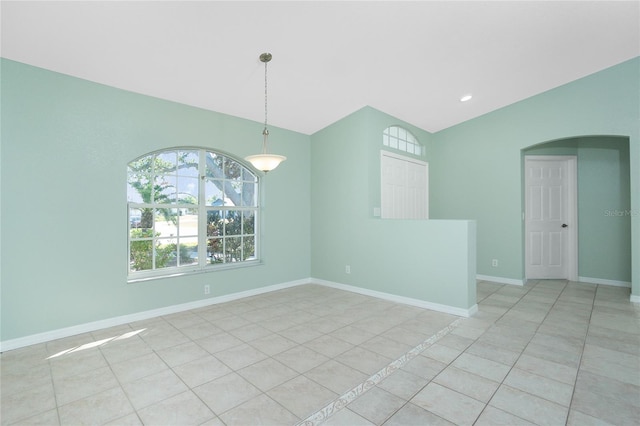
x,y
265,132
265,161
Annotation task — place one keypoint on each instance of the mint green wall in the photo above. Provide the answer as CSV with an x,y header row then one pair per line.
x,y
564,147
66,143
427,260
65,147
604,189
477,172
604,236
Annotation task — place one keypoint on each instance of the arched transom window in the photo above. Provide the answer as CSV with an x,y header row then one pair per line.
x,y
190,210
399,138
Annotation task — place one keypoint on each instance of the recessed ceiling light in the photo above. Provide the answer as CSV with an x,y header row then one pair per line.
x,y
466,98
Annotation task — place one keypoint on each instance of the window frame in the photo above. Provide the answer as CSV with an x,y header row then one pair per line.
x,y
202,265
403,140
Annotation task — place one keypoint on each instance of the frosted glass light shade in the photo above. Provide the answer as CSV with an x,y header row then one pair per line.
x,y
265,162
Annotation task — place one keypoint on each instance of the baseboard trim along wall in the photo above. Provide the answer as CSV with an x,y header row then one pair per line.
x,y
500,280
587,280
139,316
400,299
602,281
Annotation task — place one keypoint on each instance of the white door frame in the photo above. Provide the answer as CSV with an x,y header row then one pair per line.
x,y
572,211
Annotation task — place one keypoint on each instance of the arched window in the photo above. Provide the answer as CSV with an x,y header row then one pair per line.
x,y
190,210
399,138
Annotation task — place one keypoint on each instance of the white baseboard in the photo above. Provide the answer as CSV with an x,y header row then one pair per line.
x,y
47,336
602,281
400,299
634,299
139,316
500,280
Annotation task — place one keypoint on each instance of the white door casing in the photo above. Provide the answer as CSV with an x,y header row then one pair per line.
x,y
405,187
551,217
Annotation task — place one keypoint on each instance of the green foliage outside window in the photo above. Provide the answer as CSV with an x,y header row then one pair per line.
x,y
230,236
165,190
142,251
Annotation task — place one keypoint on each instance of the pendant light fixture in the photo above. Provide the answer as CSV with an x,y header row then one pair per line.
x,y
265,162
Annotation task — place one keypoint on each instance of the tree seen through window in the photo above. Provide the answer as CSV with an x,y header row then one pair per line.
x,y
190,209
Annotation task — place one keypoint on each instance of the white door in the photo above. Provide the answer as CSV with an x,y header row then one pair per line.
x,y
405,187
550,217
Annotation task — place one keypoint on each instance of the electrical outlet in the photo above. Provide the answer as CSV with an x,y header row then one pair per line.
x,y
347,269
494,263
207,289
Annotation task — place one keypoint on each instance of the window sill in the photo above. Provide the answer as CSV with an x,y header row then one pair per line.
x,y
142,277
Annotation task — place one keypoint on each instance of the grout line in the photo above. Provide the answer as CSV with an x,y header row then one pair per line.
x,y
486,404
512,366
584,344
342,401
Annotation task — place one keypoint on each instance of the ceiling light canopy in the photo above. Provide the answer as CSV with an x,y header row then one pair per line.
x,y
264,161
466,97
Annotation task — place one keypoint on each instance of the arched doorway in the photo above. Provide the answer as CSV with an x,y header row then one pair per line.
x,y
603,205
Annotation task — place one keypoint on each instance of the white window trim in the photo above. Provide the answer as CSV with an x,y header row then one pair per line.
x,y
409,140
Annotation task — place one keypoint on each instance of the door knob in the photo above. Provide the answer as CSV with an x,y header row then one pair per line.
x,y
564,225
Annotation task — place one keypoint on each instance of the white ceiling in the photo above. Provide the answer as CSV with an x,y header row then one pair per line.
x,y
413,60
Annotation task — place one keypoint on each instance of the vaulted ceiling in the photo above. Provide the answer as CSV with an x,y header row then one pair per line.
x,y
413,60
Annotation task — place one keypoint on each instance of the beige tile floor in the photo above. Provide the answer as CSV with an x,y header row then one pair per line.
x,y
551,352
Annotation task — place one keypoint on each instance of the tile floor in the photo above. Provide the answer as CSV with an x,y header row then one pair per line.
x,y
551,352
